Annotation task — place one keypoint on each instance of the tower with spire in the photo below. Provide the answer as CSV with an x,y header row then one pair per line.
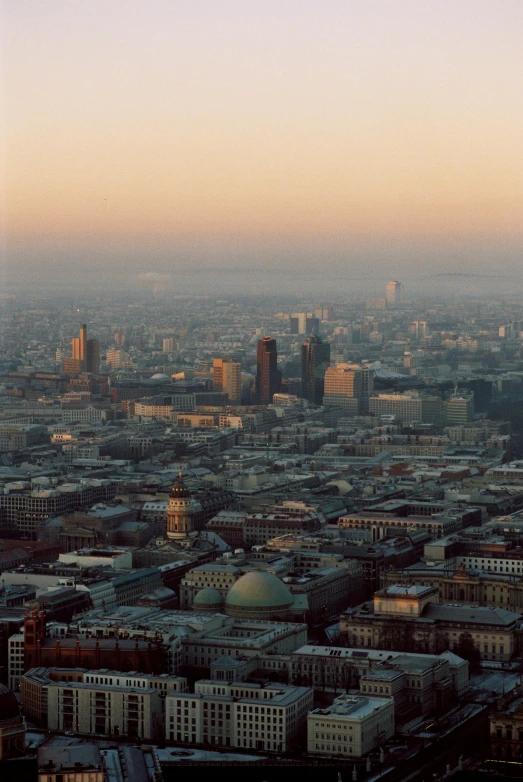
x,y
181,513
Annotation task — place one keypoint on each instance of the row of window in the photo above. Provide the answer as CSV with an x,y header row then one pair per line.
x,y
339,749
509,734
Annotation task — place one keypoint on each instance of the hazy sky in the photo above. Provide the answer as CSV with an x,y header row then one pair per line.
x,y
381,135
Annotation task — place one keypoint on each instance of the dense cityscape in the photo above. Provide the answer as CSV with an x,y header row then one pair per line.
x,y
261,391
267,534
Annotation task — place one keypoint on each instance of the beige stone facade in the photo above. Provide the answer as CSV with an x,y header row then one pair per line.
x,y
460,585
352,726
35,684
106,710
249,716
394,621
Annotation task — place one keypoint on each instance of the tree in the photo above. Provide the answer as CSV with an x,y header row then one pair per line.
x,y
466,648
349,678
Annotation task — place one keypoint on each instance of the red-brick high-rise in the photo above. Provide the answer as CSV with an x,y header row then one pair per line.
x,y
268,378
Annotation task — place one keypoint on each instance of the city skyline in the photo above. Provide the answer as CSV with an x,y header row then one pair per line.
x,y
279,137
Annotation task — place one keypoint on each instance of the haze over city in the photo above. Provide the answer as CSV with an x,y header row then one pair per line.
x,y
258,146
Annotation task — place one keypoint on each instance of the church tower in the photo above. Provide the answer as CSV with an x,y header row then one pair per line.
x,y
34,632
181,513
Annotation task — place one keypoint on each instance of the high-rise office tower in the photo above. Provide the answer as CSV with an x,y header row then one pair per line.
x,y
226,376
394,293
315,358
459,409
92,359
79,345
86,352
312,324
217,374
348,386
304,323
118,359
418,329
268,378
168,345
322,312
298,323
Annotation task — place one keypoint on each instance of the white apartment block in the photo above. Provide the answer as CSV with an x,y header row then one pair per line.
x,y
408,407
35,683
248,716
118,359
153,411
352,726
105,709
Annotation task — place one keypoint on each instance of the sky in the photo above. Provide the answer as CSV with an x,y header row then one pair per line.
x,y
374,138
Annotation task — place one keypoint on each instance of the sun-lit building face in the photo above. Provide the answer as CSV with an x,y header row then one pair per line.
x,y
261,124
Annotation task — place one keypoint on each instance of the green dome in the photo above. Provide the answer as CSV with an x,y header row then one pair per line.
x,y
259,589
208,597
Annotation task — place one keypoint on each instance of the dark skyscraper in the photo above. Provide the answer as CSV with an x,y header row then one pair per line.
x,y
315,358
268,377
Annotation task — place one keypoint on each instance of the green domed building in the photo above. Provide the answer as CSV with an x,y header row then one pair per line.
x,y
259,595
208,599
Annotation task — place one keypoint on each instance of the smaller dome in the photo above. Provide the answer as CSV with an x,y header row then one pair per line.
x,y
159,376
8,704
208,598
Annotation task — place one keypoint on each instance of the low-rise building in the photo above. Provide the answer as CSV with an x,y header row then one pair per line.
x,y
338,668
27,508
213,575
506,730
105,709
416,686
403,617
268,718
99,557
35,683
241,639
467,585
352,726
379,522
12,726
76,764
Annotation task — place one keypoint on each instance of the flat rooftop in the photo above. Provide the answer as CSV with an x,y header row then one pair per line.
x,y
352,707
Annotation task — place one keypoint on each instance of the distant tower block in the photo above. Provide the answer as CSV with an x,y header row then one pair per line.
x,y
86,352
268,378
227,376
181,513
394,293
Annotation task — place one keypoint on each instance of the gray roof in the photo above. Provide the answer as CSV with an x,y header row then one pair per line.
x,y
212,567
472,614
